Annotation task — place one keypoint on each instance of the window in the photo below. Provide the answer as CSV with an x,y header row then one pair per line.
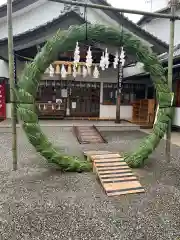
x,y
51,90
109,96
130,92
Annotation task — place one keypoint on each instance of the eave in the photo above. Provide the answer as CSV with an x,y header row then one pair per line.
x,y
16,6
41,33
158,45
146,19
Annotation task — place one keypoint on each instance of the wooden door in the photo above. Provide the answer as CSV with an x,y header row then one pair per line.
x,y
85,102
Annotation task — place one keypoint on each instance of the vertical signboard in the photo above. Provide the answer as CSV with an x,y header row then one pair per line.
x,y
2,101
120,78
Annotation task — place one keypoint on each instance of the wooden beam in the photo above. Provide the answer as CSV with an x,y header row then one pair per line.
x,y
120,10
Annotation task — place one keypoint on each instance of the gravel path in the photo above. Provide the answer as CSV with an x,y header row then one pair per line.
x,y
38,202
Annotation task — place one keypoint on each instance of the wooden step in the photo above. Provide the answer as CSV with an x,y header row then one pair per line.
x,y
88,134
106,156
115,175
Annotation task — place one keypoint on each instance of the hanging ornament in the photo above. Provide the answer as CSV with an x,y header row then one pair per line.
x,y
76,54
106,59
79,70
57,69
122,57
52,107
74,72
84,72
67,111
69,70
39,107
51,71
96,72
102,62
111,94
59,107
47,70
44,108
63,72
89,59
116,60
89,71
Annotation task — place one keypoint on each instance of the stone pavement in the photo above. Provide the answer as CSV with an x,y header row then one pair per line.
x,y
39,202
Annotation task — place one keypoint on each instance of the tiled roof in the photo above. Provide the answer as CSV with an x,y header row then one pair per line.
x,y
147,18
131,25
48,24
164,57
137,30
16,6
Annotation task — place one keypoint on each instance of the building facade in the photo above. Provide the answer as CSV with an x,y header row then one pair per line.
x,y
161,29
35,21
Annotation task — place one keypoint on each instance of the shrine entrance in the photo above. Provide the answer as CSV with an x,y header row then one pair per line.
x,y
84,99
81,99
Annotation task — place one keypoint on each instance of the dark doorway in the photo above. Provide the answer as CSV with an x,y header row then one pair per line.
x,y
85,101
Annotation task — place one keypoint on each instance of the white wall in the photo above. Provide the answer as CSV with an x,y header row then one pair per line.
x,y
134,70
176,120
4,69
161,29
33,18
8,110
109,111
45,11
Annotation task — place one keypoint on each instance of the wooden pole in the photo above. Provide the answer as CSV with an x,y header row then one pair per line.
x,y
12,83
170,74
119,92
118,100
120,10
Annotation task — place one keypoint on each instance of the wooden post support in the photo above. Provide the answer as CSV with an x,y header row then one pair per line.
x,y
170,73
12,83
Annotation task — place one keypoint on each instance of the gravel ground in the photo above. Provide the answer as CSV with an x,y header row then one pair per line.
x,y
38,202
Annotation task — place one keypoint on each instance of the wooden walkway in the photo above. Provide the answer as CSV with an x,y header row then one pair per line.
x,y
88,134
115,175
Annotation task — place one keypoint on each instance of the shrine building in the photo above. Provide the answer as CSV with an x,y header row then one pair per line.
x,y
84,95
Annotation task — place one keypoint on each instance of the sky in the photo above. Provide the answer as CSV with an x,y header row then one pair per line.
x,y
2,1
133,4
143,5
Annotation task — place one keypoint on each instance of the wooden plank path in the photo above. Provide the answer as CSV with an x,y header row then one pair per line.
x,y
115,175
88,135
